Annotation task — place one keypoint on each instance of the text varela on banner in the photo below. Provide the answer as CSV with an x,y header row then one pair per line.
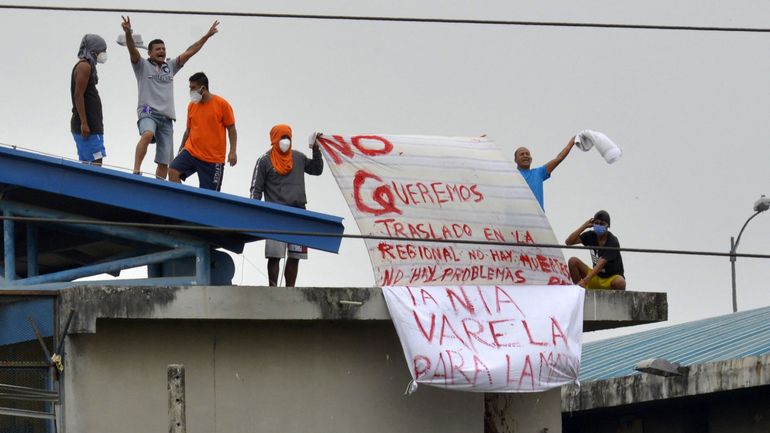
x,y
443,189
489,338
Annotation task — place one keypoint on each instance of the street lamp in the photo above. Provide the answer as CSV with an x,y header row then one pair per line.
x,y
760,206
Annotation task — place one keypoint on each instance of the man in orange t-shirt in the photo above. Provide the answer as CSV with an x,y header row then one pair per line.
x,y
203,145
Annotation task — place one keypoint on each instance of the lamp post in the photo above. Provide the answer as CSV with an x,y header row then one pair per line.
x,y
760,206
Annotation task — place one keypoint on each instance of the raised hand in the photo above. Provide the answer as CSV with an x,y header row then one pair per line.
x,y
126,24
312,140
213,30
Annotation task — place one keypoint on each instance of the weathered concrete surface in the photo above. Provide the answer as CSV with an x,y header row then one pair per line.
x,y
603,309
733,374
609,309
255,376
278,359
743,411
526,412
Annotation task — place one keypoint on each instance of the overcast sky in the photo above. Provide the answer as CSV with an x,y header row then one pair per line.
x,y
689,109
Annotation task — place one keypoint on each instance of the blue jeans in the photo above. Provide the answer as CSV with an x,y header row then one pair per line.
x,y
163,129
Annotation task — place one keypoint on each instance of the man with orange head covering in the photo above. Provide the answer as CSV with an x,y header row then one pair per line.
x,y
280,175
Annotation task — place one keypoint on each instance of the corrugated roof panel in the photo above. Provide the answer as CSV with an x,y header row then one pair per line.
x,y
732,336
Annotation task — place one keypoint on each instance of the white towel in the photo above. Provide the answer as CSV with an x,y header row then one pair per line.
x,y
587,139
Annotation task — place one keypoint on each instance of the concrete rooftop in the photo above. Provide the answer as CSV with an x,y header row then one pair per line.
x,y
603,309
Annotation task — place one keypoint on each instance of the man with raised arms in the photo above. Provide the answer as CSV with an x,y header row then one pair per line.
x,y
155,82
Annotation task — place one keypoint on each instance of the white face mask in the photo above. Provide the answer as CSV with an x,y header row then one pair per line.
x,y
284,144
195,96
101,57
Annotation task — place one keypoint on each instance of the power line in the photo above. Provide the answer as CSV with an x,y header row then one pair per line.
x,y
397,19
349,236
195,228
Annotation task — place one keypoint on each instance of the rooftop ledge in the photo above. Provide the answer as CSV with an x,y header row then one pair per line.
x,y
728,375
603,309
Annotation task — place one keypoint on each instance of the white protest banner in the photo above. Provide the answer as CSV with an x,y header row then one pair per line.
x,y
446,190
489,338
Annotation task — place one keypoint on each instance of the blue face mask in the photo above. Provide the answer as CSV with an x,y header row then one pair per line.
x,y
600,229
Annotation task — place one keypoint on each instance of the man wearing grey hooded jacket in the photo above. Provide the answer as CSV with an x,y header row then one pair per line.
x,y
86,124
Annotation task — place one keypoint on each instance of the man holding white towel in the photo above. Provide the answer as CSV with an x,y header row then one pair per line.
x,y
536,176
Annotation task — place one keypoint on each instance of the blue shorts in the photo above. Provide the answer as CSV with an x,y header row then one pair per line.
x,y
90,149
163,130
210,174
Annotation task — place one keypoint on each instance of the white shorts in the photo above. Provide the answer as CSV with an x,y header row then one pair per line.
x,y
277,250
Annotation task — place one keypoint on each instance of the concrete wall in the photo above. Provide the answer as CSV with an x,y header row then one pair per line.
x,y
744,411
254,376
531,412
280,359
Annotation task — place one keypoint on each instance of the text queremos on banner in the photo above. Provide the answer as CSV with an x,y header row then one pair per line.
x,y
445,189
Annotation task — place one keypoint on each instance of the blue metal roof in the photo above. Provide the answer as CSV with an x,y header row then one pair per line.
x,y
733,336
102,193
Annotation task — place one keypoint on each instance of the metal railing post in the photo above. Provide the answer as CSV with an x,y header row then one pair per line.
x,y
203,265
732,265
32,250
9,241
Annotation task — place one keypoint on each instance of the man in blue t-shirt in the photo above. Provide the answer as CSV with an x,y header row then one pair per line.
x,y
536,176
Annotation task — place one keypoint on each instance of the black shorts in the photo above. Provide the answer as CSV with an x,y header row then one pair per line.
x,y
210,174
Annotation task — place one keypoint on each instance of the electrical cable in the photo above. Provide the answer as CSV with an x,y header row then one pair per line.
x,y
395,19
183,227
282,275
348,236
256,268
398,20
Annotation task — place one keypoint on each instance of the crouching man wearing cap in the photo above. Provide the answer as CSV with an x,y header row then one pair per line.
x,y
607,271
